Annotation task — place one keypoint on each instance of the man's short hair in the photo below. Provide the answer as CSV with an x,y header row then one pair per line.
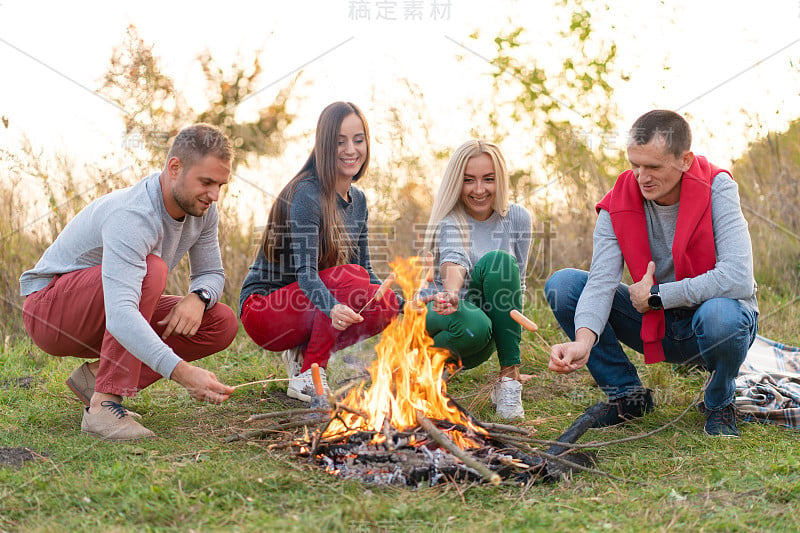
x,y
668,125
199,140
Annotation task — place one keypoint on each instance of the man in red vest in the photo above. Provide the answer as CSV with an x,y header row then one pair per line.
x,y
675,220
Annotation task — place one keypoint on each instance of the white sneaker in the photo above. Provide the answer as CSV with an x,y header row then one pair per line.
x,y
301,387
293,361
507,396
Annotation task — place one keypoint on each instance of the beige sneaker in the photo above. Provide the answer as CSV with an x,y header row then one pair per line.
x,y
507,396
113,423
81,381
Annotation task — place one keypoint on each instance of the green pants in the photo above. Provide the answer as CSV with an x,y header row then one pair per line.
x,y
482,322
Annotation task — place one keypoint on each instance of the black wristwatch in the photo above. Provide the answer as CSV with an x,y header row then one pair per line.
x,y
204,296
654,301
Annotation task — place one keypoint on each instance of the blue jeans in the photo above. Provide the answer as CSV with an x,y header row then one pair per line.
x,y
715,335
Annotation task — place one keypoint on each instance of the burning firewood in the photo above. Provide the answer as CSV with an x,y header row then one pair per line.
x,y
405,428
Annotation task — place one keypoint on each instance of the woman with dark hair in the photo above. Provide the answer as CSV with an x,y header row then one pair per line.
x,y
312,273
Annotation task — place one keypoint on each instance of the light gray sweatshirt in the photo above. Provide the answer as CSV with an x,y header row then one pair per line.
x,y
731,277
511,233
119,230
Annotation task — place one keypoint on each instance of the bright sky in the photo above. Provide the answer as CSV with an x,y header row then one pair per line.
x,y
711,60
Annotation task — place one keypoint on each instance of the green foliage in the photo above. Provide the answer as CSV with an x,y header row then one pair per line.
x,y
156,111
400,187
768,174
561,113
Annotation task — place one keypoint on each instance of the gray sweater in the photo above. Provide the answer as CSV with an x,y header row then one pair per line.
x,y
119,231
511,233
302,265
731,277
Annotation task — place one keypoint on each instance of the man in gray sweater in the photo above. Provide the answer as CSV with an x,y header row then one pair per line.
x,y
675,220
97,291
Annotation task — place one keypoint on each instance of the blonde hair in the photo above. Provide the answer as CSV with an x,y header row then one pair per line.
x,y
448,198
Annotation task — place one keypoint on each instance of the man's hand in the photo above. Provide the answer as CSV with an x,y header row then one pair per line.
x,y
570,356
200,383
184,318
640,291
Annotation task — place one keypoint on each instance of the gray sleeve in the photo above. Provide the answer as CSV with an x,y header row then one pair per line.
x,y
595,302
523,229
732,276
205,260
304,225
451,245
128,237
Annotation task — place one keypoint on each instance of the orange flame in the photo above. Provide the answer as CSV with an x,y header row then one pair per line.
x,y
406,374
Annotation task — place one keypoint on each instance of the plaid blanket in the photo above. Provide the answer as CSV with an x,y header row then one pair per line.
x,y
768,385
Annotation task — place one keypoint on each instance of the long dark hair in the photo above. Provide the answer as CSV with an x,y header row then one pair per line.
x,y
335,247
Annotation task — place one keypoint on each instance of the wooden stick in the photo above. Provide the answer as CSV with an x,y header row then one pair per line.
x,y
501,427
439,436
261,381
353,410
261,433
289,412
381,291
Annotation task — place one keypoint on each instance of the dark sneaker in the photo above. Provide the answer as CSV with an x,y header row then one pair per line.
x,y
633,405
722,422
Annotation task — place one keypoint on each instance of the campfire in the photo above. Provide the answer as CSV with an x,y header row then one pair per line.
x,y
404,429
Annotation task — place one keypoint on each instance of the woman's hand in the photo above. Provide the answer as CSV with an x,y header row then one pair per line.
x,y
445,303
342,317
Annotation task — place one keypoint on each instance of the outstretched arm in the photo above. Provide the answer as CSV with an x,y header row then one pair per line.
x,y
570,356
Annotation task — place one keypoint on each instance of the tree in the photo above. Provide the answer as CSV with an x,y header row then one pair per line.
x,y
768,174
565,116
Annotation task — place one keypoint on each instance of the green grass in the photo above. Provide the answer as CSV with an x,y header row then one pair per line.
x,y
189,479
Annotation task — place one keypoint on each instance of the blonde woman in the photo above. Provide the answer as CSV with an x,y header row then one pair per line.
x,y
480,243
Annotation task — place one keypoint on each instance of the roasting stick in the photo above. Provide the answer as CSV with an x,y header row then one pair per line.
x,y
528,324
380,292
260,381
440,437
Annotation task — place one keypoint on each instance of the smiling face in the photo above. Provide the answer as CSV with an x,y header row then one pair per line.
x,y
479,187
194,189
351,151
658,171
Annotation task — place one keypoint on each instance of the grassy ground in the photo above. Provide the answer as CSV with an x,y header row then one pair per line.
x,y
189,479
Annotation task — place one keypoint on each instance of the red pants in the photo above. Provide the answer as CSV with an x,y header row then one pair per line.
x,y
68,318
286,318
